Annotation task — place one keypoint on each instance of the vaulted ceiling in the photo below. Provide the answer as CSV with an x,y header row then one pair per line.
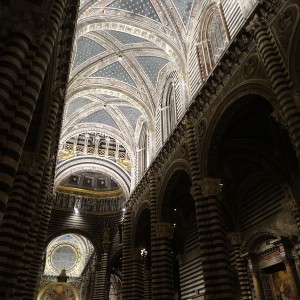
x,y
123,52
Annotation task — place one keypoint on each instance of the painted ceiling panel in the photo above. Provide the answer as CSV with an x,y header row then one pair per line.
x,y
152,66
131,114
125,38
140,7
101,117
184,9
76,104
86,48
116,71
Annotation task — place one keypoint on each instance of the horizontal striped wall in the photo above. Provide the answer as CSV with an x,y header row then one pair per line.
x,y
261,201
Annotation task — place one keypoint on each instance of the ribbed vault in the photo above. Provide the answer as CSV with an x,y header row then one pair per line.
x,y
123,53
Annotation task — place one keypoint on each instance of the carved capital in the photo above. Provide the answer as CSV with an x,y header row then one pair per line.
x,y
105,246
292,206
29,163
59,95
33,25
277,114
164,230
210,186
235,238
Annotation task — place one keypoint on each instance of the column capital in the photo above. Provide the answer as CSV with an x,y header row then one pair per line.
x,y
235,238
292,205
278,115
105,247
29,162
164,230
33,25
209,186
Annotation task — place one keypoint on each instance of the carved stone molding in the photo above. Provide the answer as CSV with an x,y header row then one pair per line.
x,y
164,230
250,66
286,21
256,24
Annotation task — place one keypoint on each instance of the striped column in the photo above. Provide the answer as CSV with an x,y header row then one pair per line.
x,y
147,285
35,246
279,78
97,287
162,263
126,259
217,275
137,282
24,288
15,227
103,270
12,60
14,140
235,239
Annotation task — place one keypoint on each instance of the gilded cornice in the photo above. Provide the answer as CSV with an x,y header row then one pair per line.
x,y
88,193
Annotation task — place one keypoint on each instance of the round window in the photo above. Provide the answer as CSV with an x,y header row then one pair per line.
x,y
64,257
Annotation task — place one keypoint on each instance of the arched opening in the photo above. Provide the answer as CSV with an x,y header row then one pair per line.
x,y
213,38
252,155
142,247
178,209
67,259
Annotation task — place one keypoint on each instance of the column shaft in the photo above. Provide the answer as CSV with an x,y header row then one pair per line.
x,y
162,263
241,268
217,275
127,267
18,128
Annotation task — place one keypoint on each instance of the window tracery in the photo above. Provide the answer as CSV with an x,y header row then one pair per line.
x,y
217,37
168,110
213,39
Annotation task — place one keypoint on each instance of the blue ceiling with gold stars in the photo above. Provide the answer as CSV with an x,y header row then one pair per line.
x,y
116,71
131,114
86,49
152,66
76,104
184,9
101,117
125,38
123,53
140,7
